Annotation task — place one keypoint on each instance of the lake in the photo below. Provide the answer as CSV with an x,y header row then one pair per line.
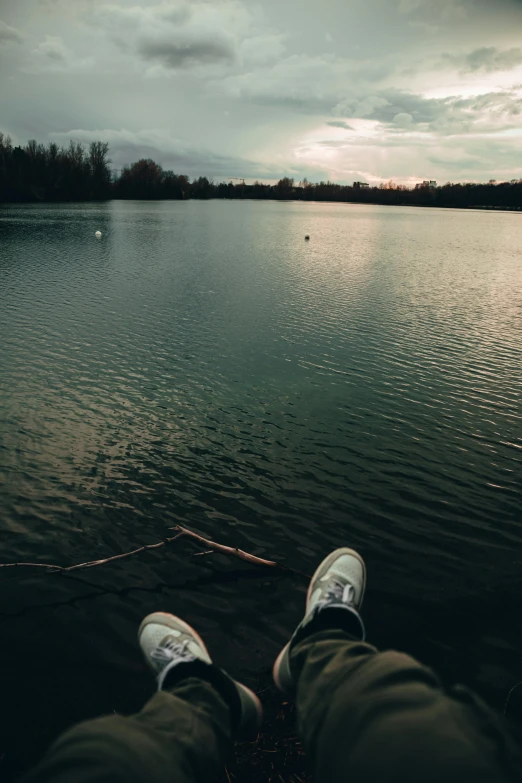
x,y
202,364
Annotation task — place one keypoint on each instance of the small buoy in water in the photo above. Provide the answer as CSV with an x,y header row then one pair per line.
x,y
97,234
307,236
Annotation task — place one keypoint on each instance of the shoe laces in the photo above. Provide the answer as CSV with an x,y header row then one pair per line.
x,y
170,651
340,592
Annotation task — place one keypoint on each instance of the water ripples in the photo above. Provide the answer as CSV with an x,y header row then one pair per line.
x,y
201,363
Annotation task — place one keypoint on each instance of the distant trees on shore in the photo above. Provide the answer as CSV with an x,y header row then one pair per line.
x,y
146,179
39,172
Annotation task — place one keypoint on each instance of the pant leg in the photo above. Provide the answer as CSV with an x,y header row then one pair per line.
x,y
371,716
180,736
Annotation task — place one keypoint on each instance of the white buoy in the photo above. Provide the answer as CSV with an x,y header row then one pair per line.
x,y
98,234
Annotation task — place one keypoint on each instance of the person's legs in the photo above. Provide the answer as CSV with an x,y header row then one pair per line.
x,y
366,715
182,734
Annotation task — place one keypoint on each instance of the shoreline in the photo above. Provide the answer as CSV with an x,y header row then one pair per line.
x,y
479,207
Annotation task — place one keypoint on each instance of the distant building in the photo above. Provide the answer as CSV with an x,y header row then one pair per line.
x,y
361,185
429,183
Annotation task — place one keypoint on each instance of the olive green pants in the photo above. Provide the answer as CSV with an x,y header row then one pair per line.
x,y
363,716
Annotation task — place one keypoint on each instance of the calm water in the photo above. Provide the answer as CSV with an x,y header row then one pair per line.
x,y
201,363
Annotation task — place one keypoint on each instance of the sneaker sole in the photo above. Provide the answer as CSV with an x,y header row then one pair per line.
x,y
276,668
249,732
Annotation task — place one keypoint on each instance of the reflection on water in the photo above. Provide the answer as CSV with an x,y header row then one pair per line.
x,y
202,363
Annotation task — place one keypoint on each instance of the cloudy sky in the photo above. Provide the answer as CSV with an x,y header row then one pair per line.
x,y
339,89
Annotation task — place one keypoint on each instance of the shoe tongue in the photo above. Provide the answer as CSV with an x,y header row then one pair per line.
x,y
341,587
174,644
335,576
171,638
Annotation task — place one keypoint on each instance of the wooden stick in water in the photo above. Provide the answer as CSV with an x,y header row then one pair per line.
x,y
52,568
182,532
227,550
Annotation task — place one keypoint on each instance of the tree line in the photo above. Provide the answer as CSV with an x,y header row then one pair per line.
x,y
38,172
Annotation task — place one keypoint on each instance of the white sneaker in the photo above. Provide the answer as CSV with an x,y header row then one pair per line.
x,y
167,641
338,583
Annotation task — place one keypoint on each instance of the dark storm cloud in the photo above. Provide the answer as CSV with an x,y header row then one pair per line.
x,y
488,59
177,54
396,107
340,124
9,34
333,143
309,84
174,33
385,105
53,49
317,98
503,102
450,12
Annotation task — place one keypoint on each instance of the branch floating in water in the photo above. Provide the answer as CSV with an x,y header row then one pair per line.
x,y
182,532
227,550
53,568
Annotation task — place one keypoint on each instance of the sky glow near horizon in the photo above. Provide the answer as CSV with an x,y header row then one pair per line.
x,y
339,89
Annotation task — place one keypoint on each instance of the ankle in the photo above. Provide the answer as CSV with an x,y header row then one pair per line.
x,y
210,674
340,617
